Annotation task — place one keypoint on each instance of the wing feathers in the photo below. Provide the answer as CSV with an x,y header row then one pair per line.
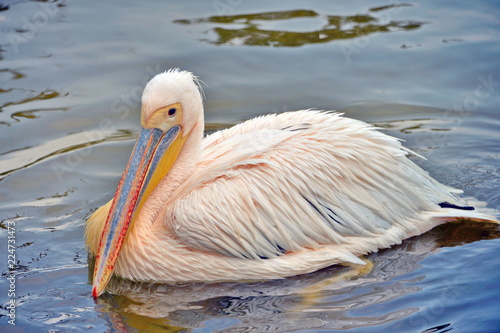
x,y
299,180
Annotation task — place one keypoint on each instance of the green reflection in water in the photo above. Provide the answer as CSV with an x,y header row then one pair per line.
x,y
48,94
335,27
395,5
248,18
31,113
16,75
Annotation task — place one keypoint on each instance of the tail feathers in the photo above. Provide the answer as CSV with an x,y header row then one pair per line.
x,y
466,208
453,214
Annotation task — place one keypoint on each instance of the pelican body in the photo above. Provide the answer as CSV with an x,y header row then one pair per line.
x,y
275,196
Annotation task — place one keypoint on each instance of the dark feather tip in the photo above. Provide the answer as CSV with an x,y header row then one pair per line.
x,y
449,205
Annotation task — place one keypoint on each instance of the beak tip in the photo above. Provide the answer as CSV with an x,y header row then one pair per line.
x,y
95,293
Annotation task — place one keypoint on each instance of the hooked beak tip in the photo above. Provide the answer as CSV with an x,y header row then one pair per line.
x,y
96,292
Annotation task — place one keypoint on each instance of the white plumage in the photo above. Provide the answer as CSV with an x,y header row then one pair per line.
x,y
275,196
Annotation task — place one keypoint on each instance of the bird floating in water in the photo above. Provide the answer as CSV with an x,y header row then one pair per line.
x,y
275,196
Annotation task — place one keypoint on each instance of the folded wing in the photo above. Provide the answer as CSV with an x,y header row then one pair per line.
x,y
295,181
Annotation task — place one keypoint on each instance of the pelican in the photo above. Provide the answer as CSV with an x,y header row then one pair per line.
x,y
275,196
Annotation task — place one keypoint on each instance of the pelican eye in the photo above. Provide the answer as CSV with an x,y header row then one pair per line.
x,y
171,112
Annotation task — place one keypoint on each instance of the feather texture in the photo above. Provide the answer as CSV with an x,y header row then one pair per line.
x,y
300,180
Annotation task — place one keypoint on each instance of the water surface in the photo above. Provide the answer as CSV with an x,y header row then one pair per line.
x,y
72,74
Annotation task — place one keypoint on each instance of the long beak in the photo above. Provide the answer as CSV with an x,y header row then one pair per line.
x,y
154,154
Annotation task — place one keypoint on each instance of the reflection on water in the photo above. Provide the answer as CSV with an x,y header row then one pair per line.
x,y
333,298
408,126
15,75
19,159
30,102
249,30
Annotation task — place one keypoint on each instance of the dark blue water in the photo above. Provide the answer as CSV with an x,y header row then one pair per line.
x,y
71,77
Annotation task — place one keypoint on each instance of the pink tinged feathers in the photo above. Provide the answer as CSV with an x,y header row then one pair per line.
x,y
275,196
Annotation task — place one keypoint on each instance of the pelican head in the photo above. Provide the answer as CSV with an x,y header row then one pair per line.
x,y
171,107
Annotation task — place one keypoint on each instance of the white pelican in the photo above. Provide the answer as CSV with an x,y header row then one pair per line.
x,y
275,196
